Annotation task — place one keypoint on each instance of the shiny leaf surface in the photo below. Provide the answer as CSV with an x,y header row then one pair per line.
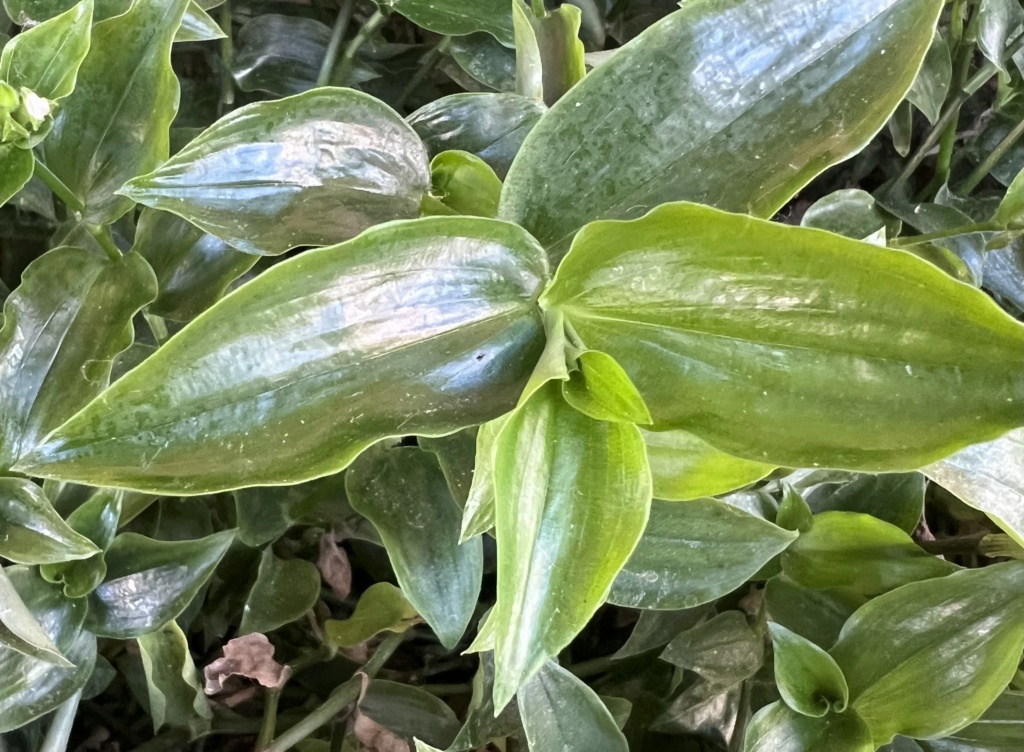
x,y
381,607
175,697
685,467
409,712
279,54
97,519
464,183
813,613
478,514
809,680
724,650
896,498
1000,729
293,375
778,728
16,166
285,589
33,533
792,346
603,391
19,629
46,57
197,26
549,53
456,17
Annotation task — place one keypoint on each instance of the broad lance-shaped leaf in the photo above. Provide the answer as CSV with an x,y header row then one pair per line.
x,y
572,496
46,57
403,492
779,728
1000,729
313,169
31,531
279,54
809,680
420,327
284,590
63,326
19,629
743,110
457,17
685,467
792,346
694,552
116,123
929,658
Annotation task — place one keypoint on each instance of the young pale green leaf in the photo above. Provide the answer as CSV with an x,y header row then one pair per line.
x,y
724,650
896,498
813,613
458,17
793,346
33,533
478,514
861,552
794,513
549,53
1011,209
492,126
685,467
115,125
694,552
97,519
779,728
572,496
313,169
285,589
600,389
176,698
562,713
465,184
809,680
150,582
46,58
294,374
989,477
929,658
403,492
381,607
718,124
197,26
998,22
19,629
16,166
279,54
31,688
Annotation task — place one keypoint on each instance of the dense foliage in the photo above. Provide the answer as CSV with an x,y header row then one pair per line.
x,y
475,374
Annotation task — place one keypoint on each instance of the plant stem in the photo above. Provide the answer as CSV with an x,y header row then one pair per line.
x,y
60,727
593,667
371,27
961,544
447,690
56,185
427,64
982,170
953,232
337,34
102,236
271,698
227,54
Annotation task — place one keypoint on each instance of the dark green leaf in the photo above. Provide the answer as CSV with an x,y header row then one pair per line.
x,y
409,712
16,166
456,17
197,26
33,533
655,629
486,60
97,519
685,467
381,607
279,54
27,12
693,552
724,650
464,183
46,57
852,213
19,629
928,92
368,345
482,724
896,498
601,389
810,681
175,697
998,22
777,728
813,613
285,589
313,169
403,492
549,53
456,453
792,346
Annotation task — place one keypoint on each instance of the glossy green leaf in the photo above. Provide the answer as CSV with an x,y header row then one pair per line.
x,y
896,498
464,183
718,124
32,688
929,658
313,169
46,57
600,389
549,53
778,728
16,166
293,375
175,697
492,126
655,629
813,613
456,17
115,124
695,552
97,519
403,492
381,607
794,513
989,477
486,60
456,453
150,582
19,629
33,533
197,26
928,92
724,650
1000,729
1011,209
409,712
28,12
572,496
284,591
858,551
279,54
792,346
852,213
562,713
478,514
685,467
482,723
809,680
998,23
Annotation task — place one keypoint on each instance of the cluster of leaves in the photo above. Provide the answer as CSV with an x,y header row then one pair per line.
x,y
522,425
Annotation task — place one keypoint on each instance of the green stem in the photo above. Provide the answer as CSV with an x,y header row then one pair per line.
x,y
371,27
56,185
227,54
982,170
60,727
102,236
593,667
427,64
271,698
447,690
953,232
961,544
337,34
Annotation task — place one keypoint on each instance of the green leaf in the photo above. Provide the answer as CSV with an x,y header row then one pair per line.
x,y
549,53
115,124
29,12
778,728
175,697
486,60
381,607
16,167
989,477
695,552
464,183
409,712
403,492
456,453
794,513
718,124
1011,208
33,533
928,92
600,389
809,680
792,346
852,213
31,688
457,17
19,629
63,326
572,496
998,21
285,589
492,126
46,58
724,650
813,613
685,467
313,169
1000,729
929,658
482,723
150,582
197,26
478,514
279,54
896,498
562,713
369,346
97,519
